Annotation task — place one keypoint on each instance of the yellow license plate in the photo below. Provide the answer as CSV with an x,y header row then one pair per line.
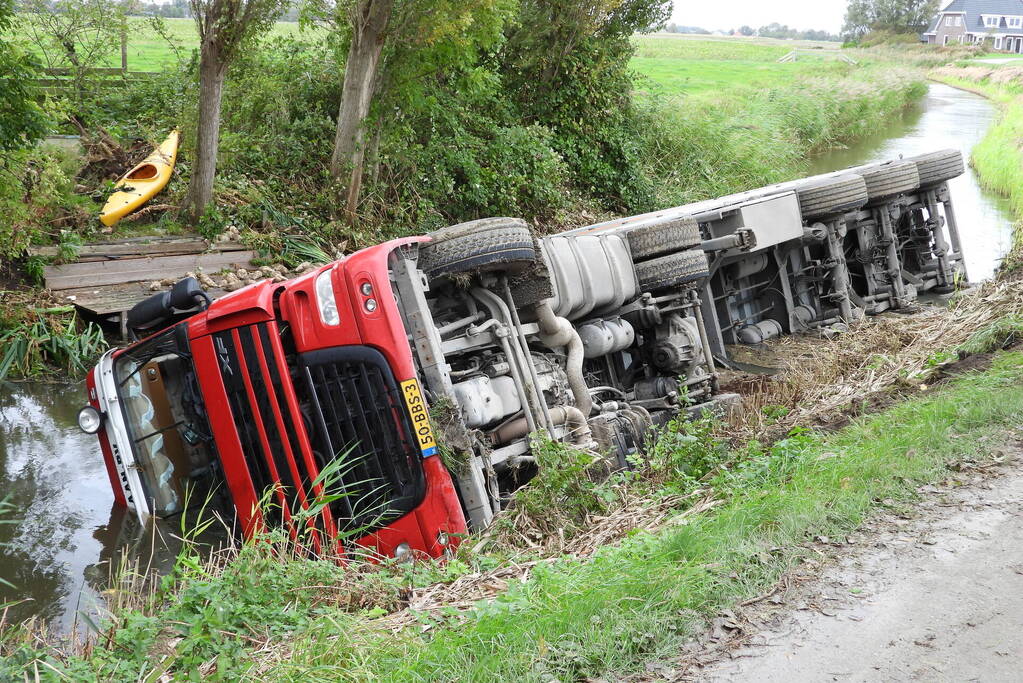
x,y
420,417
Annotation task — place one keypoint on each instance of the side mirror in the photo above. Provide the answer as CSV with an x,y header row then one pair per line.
x,y
187,294
150,313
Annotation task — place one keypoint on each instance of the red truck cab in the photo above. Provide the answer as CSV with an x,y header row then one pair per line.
x,y
299,400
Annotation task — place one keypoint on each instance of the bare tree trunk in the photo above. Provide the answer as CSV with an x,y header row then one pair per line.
x,y
204,168
370,25
374,154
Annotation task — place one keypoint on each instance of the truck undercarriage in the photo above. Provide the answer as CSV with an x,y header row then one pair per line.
x,y
596,336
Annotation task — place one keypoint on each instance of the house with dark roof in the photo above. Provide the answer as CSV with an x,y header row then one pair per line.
x,y
970,22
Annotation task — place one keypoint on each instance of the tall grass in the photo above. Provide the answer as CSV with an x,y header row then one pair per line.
x,y
999,159
701,149
42,340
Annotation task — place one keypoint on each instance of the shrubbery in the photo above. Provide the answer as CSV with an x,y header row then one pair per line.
x,y
496,139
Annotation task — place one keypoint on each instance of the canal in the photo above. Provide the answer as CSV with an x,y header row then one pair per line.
x,y
945,118
63,533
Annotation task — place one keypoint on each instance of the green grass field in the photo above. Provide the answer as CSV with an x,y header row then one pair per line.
x,y
150,51
668,64
672,65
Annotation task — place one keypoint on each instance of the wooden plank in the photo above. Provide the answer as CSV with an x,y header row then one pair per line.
x,y
114,298
148,239
157,247
145,269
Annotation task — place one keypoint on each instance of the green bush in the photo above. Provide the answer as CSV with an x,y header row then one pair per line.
x,y
37,194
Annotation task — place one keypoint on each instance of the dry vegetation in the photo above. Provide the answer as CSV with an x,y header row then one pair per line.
x,y
825,381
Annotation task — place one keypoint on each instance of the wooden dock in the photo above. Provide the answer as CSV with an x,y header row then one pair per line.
x,y
111,277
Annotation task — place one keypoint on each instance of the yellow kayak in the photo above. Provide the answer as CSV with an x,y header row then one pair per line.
x,y
142,183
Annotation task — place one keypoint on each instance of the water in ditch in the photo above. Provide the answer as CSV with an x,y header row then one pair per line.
x,y
60,532
945,118
63,531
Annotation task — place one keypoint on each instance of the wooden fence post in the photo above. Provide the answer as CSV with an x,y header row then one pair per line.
x,y
124,49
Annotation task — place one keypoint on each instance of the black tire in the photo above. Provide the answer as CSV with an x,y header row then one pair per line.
x,y
672,270
486,244
889,179
937,167
650,241
830,196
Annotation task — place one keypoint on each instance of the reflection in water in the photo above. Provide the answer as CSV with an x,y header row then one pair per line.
x,y
56,555
52,475
947,118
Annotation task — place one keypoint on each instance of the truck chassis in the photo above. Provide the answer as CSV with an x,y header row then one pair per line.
x,y
596,336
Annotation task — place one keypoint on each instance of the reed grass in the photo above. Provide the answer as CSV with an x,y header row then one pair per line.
x,y
36,341
698,149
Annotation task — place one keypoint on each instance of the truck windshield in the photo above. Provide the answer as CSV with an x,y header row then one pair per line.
x,y
165,421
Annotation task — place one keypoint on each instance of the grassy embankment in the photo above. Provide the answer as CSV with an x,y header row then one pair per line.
x,y
724,116
999,157
268,619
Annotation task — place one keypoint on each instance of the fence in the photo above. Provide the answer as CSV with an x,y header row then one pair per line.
x,y
62,81
826,54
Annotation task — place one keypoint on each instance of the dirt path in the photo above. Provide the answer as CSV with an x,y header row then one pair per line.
x,y
933,595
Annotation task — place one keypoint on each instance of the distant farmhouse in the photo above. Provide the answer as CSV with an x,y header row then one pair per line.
x,y
996,22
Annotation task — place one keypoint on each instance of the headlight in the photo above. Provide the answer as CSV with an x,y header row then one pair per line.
x,y
89,420
325,299
403,553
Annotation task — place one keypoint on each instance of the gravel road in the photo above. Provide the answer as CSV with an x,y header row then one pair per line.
x,y
935,594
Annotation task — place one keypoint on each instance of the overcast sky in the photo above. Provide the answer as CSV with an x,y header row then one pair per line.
x,y
728,14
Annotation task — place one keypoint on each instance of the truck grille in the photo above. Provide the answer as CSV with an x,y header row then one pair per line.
x,y
263,420
362,430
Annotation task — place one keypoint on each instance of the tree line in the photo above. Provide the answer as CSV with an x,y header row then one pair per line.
x,y
773,30
516,86
888,16
862,17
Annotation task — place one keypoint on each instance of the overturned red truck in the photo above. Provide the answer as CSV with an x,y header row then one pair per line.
x,y
596,336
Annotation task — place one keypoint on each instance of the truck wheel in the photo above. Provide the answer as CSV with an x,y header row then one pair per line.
x,y
937,167
664,238
485,244
889,179
672,270
827,196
